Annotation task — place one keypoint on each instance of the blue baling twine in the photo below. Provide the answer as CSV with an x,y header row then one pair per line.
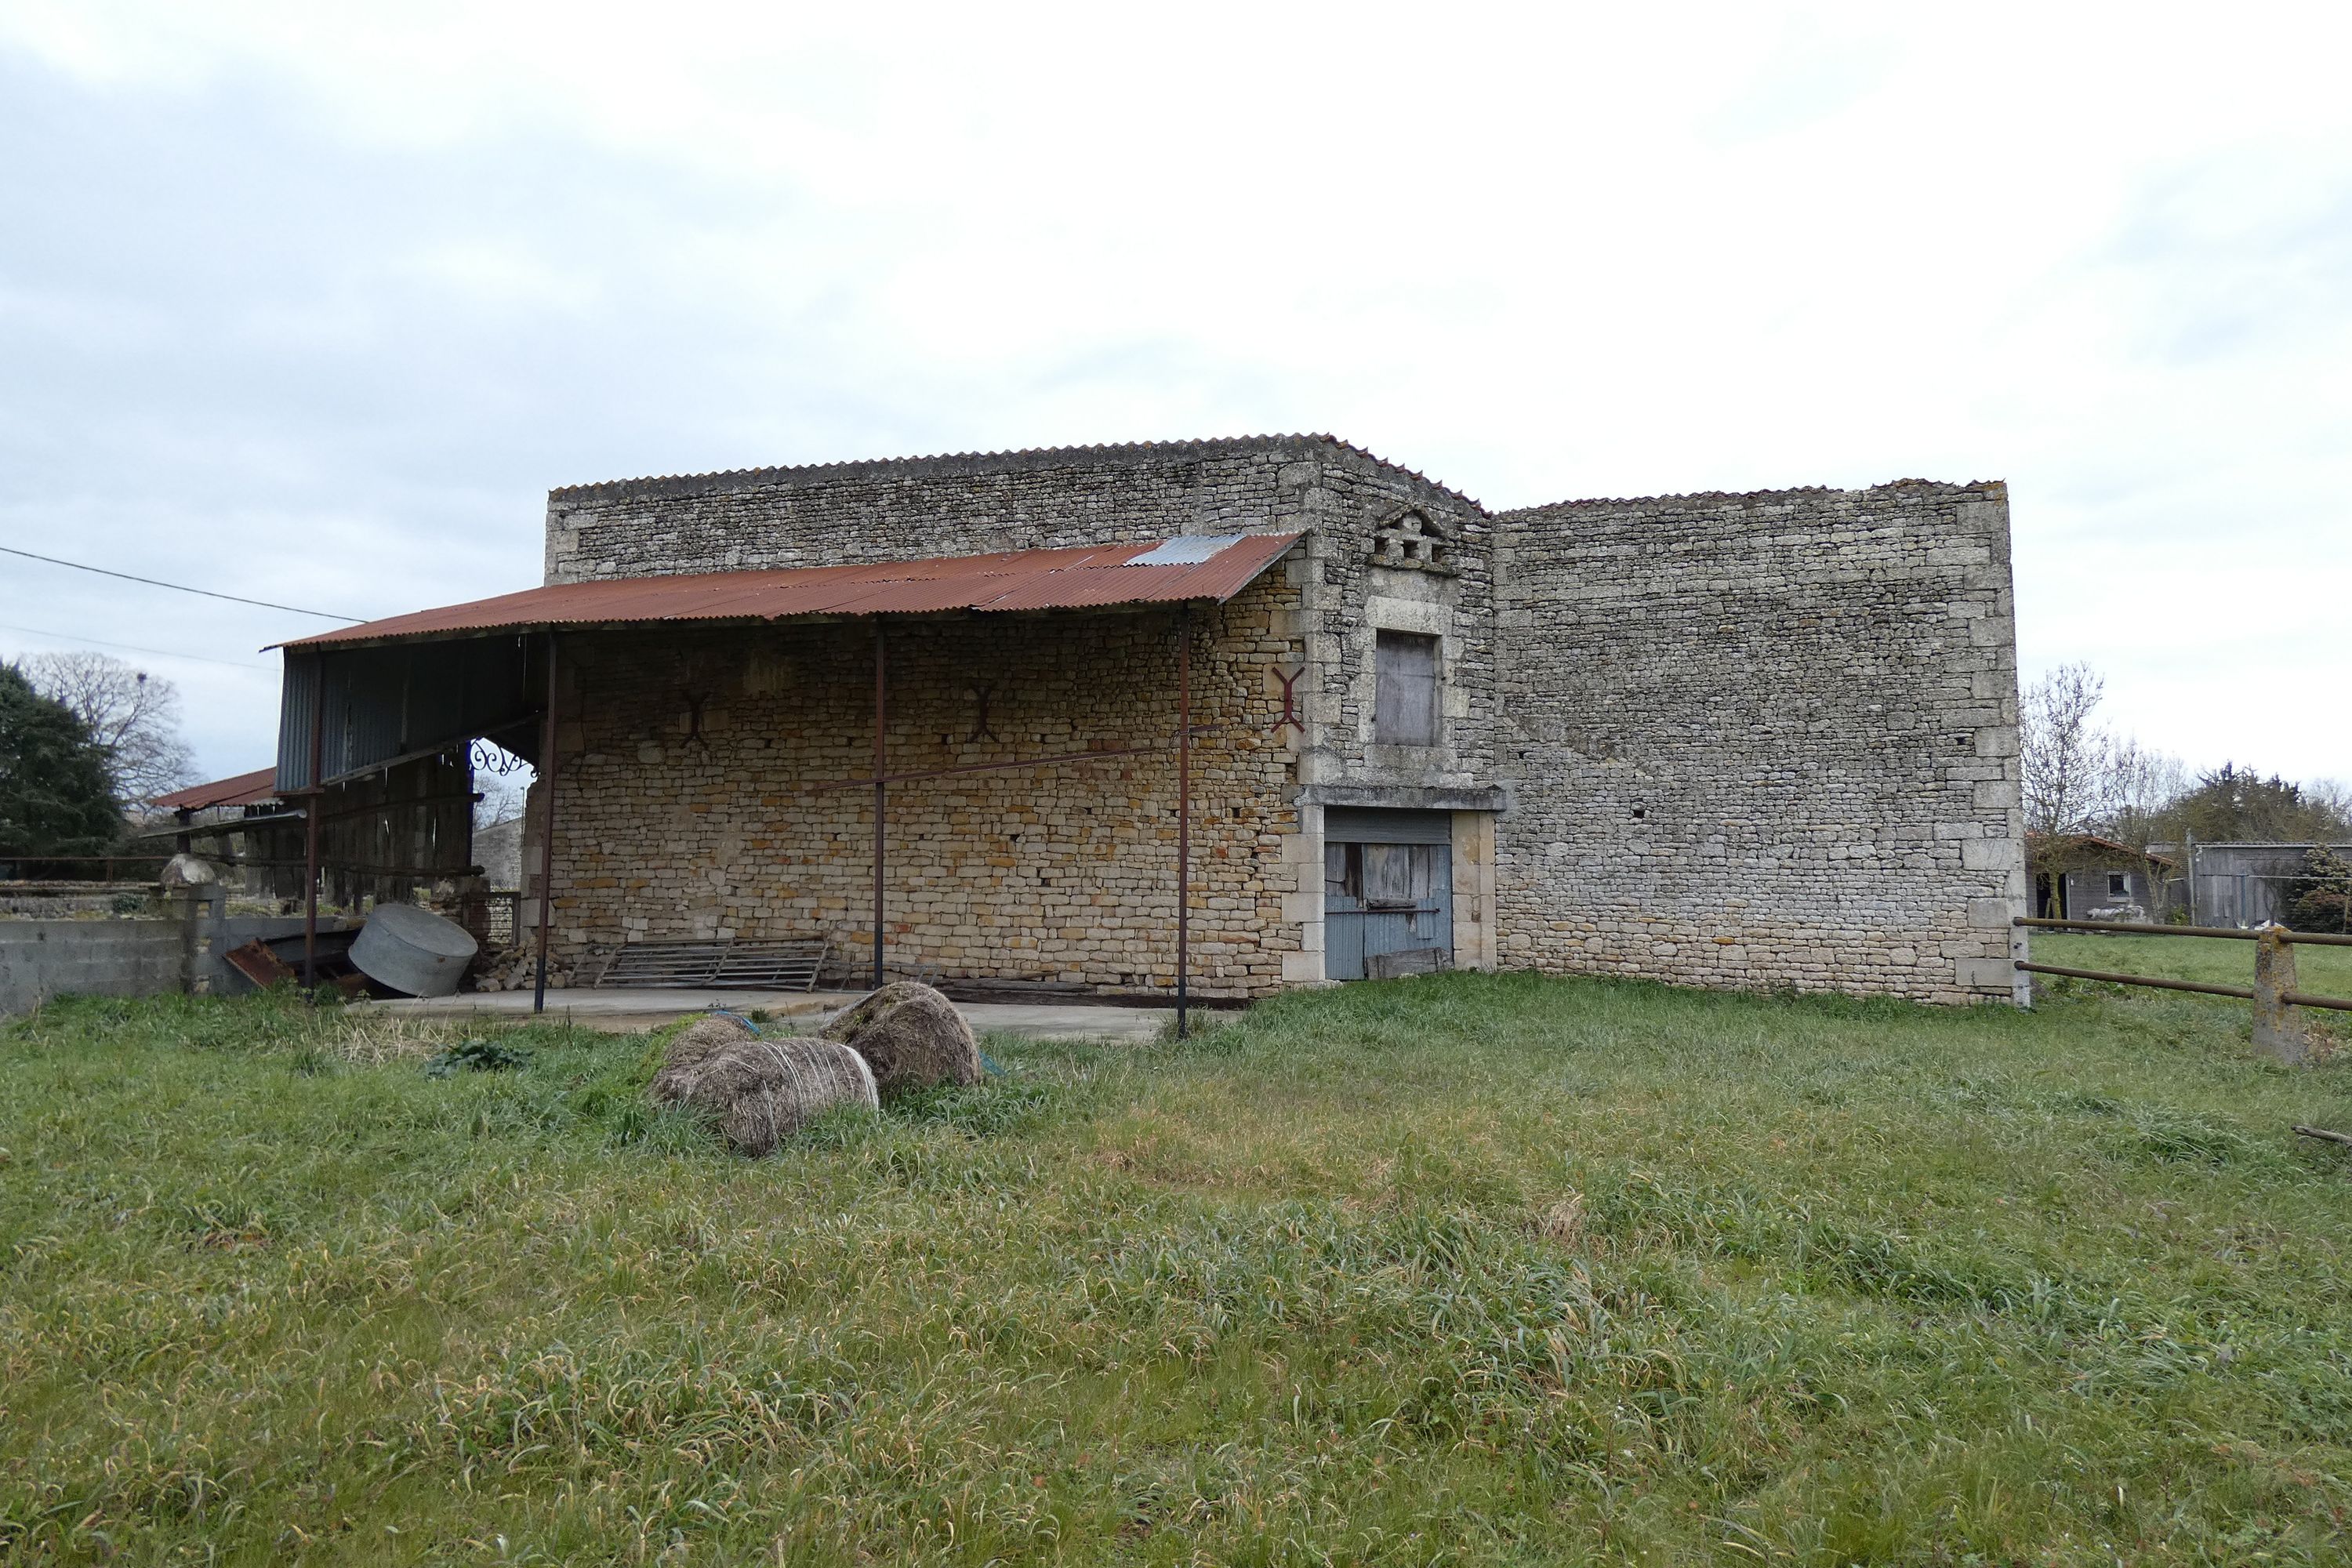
x,y
988,1064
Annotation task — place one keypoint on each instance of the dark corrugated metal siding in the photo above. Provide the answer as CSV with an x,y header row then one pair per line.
x,y
297,695
386,703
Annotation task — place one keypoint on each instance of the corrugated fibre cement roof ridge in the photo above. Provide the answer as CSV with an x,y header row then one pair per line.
x,y
1091,576
1098,456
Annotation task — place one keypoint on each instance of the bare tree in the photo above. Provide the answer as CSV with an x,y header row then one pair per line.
x,y
2067,760
2332,796
503,781
2141,787
135,716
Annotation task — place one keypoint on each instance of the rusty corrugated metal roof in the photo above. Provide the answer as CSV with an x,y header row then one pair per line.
x,y
244,789
1083,577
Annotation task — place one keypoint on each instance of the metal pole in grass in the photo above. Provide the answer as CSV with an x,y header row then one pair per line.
x,y
546,829
311,825
1183,816
881,793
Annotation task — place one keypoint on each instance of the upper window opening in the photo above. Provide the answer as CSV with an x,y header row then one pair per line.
x,y
1405,668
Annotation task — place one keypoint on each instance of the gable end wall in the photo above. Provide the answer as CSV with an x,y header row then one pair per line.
x,y
1763,741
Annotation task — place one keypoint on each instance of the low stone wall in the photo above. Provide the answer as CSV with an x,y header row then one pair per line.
x,y
63,900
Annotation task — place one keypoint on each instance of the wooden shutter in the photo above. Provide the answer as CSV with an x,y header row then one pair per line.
x,y
1405,714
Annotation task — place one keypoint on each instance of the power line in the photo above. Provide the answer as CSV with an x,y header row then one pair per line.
x,y
131,647
181,587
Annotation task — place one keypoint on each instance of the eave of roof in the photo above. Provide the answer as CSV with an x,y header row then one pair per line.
x,y
1082,577
2096,841
244,789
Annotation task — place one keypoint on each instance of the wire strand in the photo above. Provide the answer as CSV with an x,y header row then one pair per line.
x,y
130,646
181,587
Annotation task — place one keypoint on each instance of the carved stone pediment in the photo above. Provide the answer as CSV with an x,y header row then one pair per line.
x,y
1410,541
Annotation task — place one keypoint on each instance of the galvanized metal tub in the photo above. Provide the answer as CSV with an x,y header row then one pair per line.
x,y
413,949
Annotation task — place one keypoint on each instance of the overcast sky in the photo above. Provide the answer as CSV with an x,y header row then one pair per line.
x,y
315,308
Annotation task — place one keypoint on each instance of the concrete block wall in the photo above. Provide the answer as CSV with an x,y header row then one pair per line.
x,y
146,956
1763,740
43,958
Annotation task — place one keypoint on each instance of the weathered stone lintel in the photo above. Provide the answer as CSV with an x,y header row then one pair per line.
x,y
1406,797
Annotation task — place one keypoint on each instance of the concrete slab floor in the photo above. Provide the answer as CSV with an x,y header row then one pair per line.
x,y
625,1010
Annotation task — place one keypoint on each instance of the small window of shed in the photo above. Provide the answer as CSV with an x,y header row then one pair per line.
x,y
1405,665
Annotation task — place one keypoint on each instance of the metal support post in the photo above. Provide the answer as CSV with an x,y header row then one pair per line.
x,y
1183,816
311,814
547,830
881,794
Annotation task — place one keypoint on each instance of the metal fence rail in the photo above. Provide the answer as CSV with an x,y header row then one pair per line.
x,y
2234,933
2274,993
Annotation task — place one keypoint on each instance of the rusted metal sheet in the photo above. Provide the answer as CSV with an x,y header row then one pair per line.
x,y
258,964
1089,576
244,789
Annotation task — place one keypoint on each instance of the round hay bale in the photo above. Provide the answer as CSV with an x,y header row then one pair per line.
x,y
757,1093
696,1042
877,1001
911,1037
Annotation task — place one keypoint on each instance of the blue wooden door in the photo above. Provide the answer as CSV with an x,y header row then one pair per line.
x,y
1385,898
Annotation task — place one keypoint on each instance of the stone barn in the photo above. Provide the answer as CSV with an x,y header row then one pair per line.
x,y
1010,703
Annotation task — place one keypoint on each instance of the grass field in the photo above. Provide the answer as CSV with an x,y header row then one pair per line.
x,y
2215,960
1465,1269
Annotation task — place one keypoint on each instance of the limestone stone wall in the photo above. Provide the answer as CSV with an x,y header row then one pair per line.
x,y
1361,581
687,803
1763,740
1385,550
1358,510
1720,740
1359,570
965,505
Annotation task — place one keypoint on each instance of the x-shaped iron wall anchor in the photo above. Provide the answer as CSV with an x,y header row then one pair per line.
x,y
1289,701
694,705
980,729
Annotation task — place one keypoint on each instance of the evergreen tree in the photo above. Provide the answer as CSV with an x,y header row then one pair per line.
x,y
2235,805
55,797
2321,898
